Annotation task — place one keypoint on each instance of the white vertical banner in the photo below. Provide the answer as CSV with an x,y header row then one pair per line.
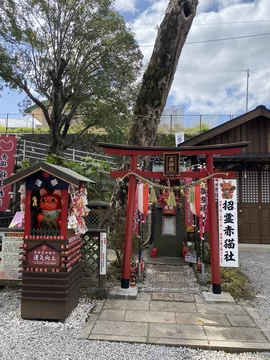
x,y
228,224
179,138
103,254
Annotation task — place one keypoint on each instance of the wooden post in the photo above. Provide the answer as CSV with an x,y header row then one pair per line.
x,y
129,224
212,212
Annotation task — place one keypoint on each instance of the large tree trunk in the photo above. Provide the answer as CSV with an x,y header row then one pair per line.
x,y
158,78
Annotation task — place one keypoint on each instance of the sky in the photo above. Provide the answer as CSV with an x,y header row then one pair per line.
x,y
211,77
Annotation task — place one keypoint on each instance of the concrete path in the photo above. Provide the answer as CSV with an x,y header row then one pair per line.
x,y
204,321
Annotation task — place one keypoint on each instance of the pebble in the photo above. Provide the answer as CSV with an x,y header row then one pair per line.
x,y
38,340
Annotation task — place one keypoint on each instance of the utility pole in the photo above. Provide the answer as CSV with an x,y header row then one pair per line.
x,y
247,90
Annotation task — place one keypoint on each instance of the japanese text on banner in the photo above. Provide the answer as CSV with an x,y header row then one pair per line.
x,y
228,224
7,162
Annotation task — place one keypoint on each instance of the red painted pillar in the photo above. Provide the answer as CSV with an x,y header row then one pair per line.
x,y
129,224
212,213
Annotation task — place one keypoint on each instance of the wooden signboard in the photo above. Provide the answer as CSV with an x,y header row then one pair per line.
x,y
171,164
10,241
168,209
43,256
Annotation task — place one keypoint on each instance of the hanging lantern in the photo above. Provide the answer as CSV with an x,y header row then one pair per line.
x,y
143,197
195,200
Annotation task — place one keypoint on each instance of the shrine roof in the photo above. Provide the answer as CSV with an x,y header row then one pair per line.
x,y
260,110
60,172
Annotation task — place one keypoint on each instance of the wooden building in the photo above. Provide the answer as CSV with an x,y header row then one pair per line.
x,y
252,167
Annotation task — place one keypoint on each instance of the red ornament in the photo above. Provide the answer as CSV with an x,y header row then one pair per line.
x,y
45,174
154,253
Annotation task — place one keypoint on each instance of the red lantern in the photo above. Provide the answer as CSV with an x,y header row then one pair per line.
x,y
143,197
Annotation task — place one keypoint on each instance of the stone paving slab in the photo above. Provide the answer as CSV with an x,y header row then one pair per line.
x,y
159,296
241,320
161,277
202,344
228,327
266,333
202,319
121,328
218,298
126,304
167,268
173,306
164,317
172,331
183,297
98,306
233,333
88,327
144,296
176,277
199,299
239,346
118,293
108,314
221,309
120,338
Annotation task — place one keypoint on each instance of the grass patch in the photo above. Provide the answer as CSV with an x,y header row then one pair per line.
x,y
235,282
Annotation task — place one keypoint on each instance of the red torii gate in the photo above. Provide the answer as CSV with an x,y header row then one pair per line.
x,y
208,151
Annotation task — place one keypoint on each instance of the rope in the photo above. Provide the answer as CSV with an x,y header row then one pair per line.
x,y
163,187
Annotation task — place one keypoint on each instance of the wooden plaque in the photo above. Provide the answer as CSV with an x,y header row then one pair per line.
x,y
171,164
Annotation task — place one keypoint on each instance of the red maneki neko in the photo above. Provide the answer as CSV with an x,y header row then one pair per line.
x,y
50,215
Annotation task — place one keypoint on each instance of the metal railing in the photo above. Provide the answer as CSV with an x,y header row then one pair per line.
x,y
169,123
38,152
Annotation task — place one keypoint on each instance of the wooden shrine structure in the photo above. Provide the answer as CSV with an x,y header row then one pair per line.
x,y
184,151
51,248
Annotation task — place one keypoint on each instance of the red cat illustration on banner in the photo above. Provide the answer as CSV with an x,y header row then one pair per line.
x,y
227,189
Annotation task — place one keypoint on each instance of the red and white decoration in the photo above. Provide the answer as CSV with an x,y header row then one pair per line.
x,y
78,209
228,224
143,198
195,206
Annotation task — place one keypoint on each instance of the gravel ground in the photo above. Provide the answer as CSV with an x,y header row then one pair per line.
x,y
38,340
256,266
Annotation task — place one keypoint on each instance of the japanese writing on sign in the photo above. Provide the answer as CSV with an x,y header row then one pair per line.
x,y
10,254
103,254
171,164
203,219
188,213
228,224
7,161
43,255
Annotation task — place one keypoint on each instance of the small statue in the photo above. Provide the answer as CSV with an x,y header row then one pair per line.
x,y
50,216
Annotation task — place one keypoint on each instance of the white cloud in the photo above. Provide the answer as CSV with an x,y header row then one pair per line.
x,y
220,84
125,5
